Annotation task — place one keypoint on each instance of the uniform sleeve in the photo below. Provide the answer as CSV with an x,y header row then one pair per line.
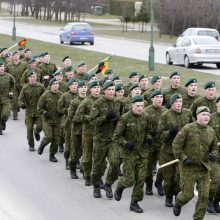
x,y
71,110
95,118
162,128
21,98
80,113
213,149
119,133
22,81
41,104
12,84
61,105
193,108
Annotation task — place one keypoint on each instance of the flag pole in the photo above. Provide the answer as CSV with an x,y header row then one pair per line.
x,y
169,163
12,46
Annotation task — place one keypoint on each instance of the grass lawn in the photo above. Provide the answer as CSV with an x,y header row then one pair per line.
x,y
122,66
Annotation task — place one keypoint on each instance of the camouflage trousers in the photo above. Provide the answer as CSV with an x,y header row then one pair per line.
x,y
51,135
134,173
214,191
188,178
4,113
67,135
30,121
14,103
101,151
170,175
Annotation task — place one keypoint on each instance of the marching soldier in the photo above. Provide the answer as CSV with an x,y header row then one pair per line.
x,y
81,70
143,80
133,76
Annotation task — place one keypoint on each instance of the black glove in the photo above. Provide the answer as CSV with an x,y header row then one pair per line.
x,y
153,132
212,157
129,145
188,162
61,114
149,141
23,106
10,95
47,115
111,115
174,130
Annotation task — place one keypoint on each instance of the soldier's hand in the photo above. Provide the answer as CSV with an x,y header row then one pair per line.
x,y
129,145
47,115
149,141
174,130
111,115
23,106
153,132
10,94
212,157
188,162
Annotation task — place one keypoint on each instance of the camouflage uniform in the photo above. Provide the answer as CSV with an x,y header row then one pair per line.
x,y
29,96
80,76
147,95
196,142
127,89
188,100
7,85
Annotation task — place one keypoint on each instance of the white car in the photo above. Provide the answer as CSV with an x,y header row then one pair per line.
x,y
194,50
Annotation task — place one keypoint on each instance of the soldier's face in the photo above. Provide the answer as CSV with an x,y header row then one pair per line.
x,y
67,62
94,78
33,65
16,57
137,107
32,79
210,93
192,88
82,90
117,81
47,58
82,69
144,83
2,69
74,87
175,81
203,118
110,92
95,91
120,93
136,91
55,86
157,100
177,105
28,54
59,77
69,74
157,84
134,79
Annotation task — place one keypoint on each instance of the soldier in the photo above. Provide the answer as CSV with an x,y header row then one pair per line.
x,y
47,105
133,150
28,100
8,58
103,117
7,86
76,129
133,76
208,99
16,68
68,73
156,82
117,80
67,61
143,80
21,52
3,51
154,112
108,73
171,122
40,58
194,146
175,87
27,55
81,70
63,106
191,95
58,75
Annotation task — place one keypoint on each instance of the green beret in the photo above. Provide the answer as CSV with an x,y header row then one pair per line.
x,y
202,109
15,52
45,53
132,74
142,77
119,87
71,81
108,71
20,48
154,79
156,92
93,83
32,60
1,63
189,81
116,78
209,84
137,98
66,57
104,80
58,72
174,97
134,85
174,73
91,75
85,76
81,84
52,81
7,55
217,99
3,48
82,63
40,54
107,84
68,68
31,72
26,50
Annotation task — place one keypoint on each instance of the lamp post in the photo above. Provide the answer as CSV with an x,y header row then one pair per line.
x,y
14,28
151,50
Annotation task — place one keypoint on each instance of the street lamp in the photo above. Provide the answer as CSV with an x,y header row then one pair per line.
x,y
151,50
14,28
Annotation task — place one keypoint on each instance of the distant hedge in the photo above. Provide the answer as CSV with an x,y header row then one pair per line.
x,y
120,7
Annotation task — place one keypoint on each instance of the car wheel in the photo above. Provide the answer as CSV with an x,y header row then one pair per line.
x,y
61,42
168,60
187,62
83,43
69,41
218,65
92,43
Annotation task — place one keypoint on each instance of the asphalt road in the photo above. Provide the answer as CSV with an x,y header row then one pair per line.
x,y
110,45
32,188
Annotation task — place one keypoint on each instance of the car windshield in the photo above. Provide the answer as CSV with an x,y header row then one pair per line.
x,y
208,33
81,27
205,41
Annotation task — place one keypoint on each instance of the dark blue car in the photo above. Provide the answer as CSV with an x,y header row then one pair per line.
x,y
77,32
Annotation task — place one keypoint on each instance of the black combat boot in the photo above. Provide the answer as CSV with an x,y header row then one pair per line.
x,y
216,206
135,207
97,192
118,192
67,165
52,158
108,190
3,125
169,202
210,206
102,186
73,173
41,148
31,148
159,187
61,148
176,209
149,191
87,181
37,136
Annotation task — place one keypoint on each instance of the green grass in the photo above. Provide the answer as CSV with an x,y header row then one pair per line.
x,y
122,66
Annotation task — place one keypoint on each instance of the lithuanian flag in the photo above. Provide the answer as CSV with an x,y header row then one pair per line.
x,y
103,65
22,43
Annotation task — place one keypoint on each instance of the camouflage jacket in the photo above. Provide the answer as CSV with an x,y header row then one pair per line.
x,y
188,100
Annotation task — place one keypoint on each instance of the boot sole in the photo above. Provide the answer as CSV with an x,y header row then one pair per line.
x,y
135,210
